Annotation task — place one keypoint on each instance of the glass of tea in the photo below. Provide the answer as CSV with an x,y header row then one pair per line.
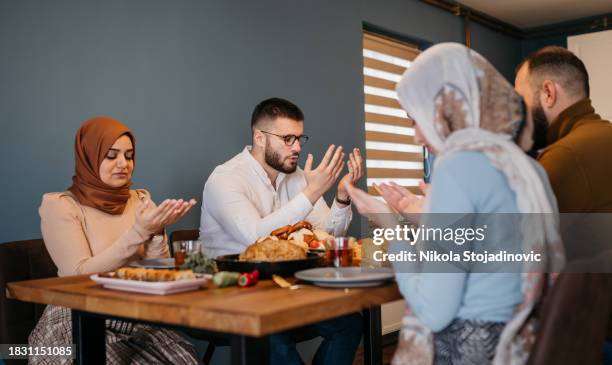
x,y
338,252
183,248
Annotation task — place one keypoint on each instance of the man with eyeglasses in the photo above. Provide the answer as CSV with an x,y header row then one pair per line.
x,y
262,189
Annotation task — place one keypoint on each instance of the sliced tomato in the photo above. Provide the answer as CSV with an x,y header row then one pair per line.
x,y
314,244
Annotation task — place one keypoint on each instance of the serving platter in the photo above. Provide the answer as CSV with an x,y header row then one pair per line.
x,y
268,268
152,287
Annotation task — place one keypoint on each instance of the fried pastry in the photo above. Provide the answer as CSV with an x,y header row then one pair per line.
x,y
142,274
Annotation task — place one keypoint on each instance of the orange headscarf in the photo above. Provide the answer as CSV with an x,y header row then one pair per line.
x,y
92,142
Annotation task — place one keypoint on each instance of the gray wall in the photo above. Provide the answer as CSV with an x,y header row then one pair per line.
x,y
185,75
423,22
532,45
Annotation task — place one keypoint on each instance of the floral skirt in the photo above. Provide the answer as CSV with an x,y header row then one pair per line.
x,y
126,343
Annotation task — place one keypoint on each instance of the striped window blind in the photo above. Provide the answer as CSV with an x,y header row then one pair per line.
x,y
391,154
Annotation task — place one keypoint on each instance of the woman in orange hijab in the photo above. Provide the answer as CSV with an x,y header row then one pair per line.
x,y
100,224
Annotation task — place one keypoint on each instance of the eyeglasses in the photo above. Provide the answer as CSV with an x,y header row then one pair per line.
x,y
290,139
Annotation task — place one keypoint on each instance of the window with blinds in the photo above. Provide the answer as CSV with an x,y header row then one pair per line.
x,y
391,154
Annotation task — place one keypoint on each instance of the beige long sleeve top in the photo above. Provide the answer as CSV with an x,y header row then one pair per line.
x,y
84,240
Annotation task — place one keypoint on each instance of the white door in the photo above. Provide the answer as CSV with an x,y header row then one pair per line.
x,y
595,50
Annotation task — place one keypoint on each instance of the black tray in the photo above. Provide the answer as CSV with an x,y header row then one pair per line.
x,y
267,268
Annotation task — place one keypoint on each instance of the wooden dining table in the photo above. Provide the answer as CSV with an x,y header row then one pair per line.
x,y
245,316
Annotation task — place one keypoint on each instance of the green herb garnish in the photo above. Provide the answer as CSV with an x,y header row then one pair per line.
x,y
199,263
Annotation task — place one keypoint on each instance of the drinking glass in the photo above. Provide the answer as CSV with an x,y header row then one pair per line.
x,y
338,252
183,248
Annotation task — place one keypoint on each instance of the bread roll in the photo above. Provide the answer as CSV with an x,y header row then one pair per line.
x,y
274,250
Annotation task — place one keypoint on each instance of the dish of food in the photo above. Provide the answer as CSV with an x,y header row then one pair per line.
x,y
304,234
142,274
151,281
284,232
283,252
273,249
268,268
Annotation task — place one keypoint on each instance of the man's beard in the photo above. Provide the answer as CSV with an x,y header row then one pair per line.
x,y
274,160
540,127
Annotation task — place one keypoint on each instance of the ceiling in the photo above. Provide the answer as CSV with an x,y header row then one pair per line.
x,y
529,13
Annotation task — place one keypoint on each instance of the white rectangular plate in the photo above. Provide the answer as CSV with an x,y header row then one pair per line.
x,y
152,287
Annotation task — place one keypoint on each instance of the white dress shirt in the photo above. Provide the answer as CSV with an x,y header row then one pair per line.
x,y
240,204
